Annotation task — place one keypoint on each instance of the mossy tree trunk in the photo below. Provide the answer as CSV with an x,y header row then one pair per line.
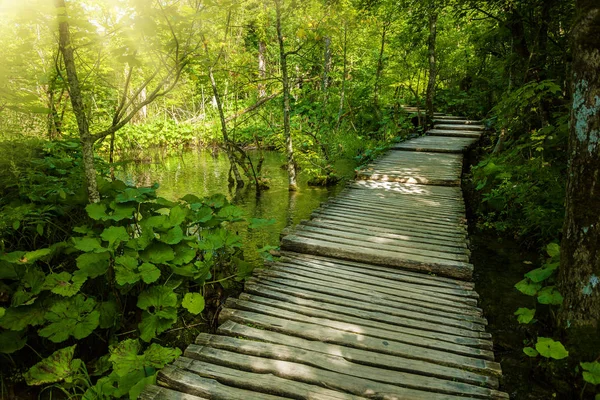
x,y
579,278
433,16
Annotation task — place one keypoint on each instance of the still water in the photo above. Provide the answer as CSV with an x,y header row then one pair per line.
x,y
200,173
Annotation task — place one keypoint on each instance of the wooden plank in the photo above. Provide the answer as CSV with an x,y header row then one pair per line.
x,y
429,280
456,315
386,177
428,293
359,356
295,372
369,314
466,127
434,283
296,311
407,221
153,392
365,241
452,215
205,387
267,384
426,319
406,240
359,341
456,121
393,189
454,269
455,133
219,348
436,144
401,202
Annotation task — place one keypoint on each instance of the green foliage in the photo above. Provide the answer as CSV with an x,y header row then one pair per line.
x,y
591,372
133,262
551,349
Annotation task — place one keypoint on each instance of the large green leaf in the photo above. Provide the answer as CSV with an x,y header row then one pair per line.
x,y
173,235
114,235
177,215
11,341
88,244
19,318
549,295
32,283
527,287
159,303
96,211
158,253
539,274
525,315
71,317
553,250
193,302
591,372
149,273
56,368
551,349
94,264
126,270
109,313
126,359
65,284
531,352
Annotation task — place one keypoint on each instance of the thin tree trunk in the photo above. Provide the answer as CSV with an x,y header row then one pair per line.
x,y
579,276
326,68
345,72
87,142
379,70
291,165
432,67
262,68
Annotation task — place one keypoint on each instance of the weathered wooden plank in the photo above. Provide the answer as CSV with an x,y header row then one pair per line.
x,y
387,177
425,279
449,324
205,387
360,341
368,377
369,314
454,269
463,126
464,318
359,356
153,392
407,221
260,382
455,133
407,241
373,282
298,312
456,121
400,202
436,144
373,243
430,282
393,189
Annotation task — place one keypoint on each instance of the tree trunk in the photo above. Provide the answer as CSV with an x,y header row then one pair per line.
x,y
432,67
326,68
291,165
262,69
379,70
579,276
344,73
87,142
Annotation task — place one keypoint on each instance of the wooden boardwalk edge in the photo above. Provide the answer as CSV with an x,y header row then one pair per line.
x,y
371,298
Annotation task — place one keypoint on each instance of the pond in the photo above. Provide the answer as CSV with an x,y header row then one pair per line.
x,y
201,173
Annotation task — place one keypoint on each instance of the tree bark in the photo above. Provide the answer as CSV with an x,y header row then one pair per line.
x,y
326,68
432,67
579,275
344,73
262,68
379,70
291,165
86,139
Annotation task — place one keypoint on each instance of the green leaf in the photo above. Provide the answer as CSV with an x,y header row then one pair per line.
x,y
549,295
11,341
173,236
126,270
96,211
525,315
65,284
159,303
153,325
120,212
2,311
177,215
527,287
551,349
19,318
231,213
193,302
531,352
71,317
114,235
539,274
88,244
56,368
92,264
149,273
553,250
138,388
32,283
124,357
591,372
158,253
33,256
183,254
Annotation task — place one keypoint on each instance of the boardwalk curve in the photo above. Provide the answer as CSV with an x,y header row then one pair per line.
x,y
371,299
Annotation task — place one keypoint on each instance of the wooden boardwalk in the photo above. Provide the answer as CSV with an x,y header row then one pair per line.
x,y
371,299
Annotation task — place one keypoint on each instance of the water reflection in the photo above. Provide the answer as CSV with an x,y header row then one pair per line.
x,y
202,174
